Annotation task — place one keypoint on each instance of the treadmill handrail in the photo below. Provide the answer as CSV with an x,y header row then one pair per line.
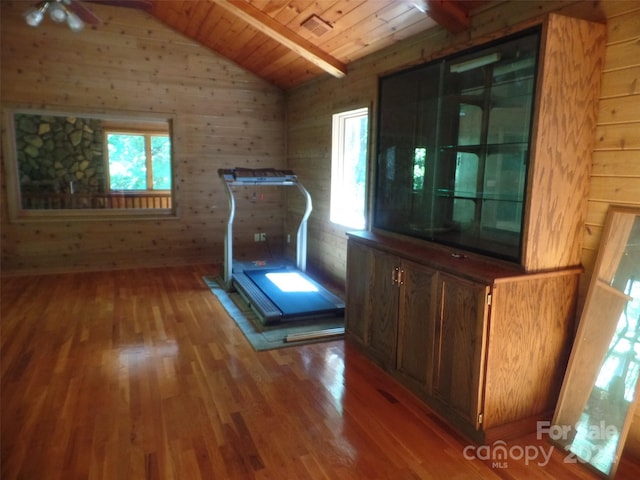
x,y
301,243
287,179
228,239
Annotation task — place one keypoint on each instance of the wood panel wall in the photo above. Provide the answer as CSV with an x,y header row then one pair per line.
x,y
224,117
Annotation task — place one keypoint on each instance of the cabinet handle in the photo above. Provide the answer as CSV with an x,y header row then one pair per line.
x,y
397,276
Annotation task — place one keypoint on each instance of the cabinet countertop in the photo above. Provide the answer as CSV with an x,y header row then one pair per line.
x,y
455,261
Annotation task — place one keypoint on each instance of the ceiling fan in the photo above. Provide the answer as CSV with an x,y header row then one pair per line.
x,y
74,13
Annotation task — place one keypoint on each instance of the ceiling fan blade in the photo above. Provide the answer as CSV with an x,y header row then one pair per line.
x,y
145,5
86,15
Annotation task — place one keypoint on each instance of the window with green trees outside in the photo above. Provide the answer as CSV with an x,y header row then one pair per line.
x,y
139,161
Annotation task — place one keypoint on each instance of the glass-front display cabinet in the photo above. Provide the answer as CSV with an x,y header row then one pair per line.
x,y
453,148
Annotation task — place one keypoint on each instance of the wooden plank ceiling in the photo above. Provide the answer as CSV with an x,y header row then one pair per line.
x,y
270,37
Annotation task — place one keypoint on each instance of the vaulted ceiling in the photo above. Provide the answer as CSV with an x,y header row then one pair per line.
x,y
288,42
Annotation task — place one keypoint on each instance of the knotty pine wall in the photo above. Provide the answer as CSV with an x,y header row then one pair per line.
x,y
224,117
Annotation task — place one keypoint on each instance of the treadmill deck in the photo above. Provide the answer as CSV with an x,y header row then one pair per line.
x,y
299,297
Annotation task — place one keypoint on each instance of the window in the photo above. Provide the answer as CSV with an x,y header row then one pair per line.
x,y
349,168
139,160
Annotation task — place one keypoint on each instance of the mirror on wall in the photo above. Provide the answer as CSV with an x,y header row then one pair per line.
x,y
598,397
62,164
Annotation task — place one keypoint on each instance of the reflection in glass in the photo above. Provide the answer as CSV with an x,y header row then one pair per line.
x,y
56,156
127,161
600,387
139,161
453,148
63,161
599,426
419,165
161,162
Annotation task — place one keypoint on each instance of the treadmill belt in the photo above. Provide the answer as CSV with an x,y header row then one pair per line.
x,y
291,291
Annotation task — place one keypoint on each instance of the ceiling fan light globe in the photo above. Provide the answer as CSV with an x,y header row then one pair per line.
x,y
57,13
74,22
34,17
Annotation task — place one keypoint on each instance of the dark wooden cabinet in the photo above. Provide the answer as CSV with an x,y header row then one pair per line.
x,y
482,343
416,326
383,307
392,312
461,332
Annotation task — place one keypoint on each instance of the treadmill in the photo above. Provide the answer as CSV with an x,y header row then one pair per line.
x,y
276,290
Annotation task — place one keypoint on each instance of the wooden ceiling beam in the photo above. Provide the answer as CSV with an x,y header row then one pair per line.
x,y
448,13
267,25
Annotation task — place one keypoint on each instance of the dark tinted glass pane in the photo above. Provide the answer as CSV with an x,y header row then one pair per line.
x,y
406,150
453,148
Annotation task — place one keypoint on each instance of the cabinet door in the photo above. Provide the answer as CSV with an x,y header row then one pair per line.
x,y
358,285
383,307
416,324
460,344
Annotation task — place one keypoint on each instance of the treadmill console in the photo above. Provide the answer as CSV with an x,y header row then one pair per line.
x,y
254,176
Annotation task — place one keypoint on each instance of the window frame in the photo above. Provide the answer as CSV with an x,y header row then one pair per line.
x,y
338,181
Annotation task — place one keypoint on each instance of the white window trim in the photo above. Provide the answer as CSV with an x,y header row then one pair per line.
x,y
338,186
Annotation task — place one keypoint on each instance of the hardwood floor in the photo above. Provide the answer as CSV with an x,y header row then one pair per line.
x,y
141,374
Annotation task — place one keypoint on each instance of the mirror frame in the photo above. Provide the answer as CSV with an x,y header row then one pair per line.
x,y
13,189
591,344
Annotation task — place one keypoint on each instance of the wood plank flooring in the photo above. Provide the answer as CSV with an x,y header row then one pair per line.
x,y
141,374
